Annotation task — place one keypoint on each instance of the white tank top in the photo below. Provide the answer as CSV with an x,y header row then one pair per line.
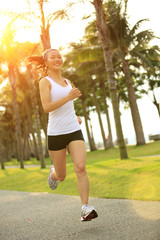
x,y
62,120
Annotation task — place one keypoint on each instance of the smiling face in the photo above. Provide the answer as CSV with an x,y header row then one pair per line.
x,y
54,60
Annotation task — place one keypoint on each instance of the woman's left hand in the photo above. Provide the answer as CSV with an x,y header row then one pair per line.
x,y
79,120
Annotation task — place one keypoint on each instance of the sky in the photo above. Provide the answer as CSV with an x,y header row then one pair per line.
x,y
63,32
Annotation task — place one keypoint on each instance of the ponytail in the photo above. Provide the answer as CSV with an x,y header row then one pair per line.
x,y
38,61
38,64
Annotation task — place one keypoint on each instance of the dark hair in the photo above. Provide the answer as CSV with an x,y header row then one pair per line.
x,y
38,66
38,62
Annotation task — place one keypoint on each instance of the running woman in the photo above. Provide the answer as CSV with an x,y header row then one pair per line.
x,y
57,95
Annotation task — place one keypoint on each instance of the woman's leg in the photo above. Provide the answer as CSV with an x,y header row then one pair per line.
x,y
77,150
59,162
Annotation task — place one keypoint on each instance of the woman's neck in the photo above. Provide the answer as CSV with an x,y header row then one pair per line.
x,y
56,75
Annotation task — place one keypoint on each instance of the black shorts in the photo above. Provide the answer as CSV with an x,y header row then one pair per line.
x,y
61,141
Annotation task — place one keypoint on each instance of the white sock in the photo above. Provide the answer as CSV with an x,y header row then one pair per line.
x,y
84,205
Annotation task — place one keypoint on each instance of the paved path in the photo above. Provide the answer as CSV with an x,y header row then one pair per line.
x,y
46,216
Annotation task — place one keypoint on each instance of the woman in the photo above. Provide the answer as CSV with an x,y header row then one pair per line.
x,y
57,97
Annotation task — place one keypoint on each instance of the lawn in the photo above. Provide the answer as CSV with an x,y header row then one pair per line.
x,y
135,178
133,151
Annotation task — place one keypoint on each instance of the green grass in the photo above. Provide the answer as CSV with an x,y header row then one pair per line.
x,y
32,161
134,178
133,151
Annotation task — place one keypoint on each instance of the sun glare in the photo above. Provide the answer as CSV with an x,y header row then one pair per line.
x,y
6,8
25,30
4,20
61,32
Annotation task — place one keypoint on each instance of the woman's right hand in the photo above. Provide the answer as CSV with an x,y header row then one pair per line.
x,y
74,93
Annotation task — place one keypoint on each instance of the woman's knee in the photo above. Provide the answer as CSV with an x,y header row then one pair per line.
x,y
61,177
80,168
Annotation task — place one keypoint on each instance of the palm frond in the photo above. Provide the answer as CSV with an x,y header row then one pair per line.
x,y
137,26
58,15
145,61
116,53
144,37
36,60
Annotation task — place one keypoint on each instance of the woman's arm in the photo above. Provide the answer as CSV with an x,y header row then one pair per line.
x,y
48,106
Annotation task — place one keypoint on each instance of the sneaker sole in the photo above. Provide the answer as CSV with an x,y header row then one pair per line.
x,y
91,216
54,186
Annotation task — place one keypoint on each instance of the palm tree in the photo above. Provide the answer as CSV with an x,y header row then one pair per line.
x,y
36,114
104,36
11,68
15,53
9,56
88,61
1,145
44,122
45,24
28,107
104,97
86,117
151,74
46,21
81,83
122,40
30,96
7,128
94,72
1,154
99,116
93,67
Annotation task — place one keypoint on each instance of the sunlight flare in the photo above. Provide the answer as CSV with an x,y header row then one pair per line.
x,y
144,186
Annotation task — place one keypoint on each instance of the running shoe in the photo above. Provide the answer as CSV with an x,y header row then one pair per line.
x,y
52,182
88,213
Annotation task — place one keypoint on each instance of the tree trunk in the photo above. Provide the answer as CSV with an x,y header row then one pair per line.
x,y
104,36
29,115
133,105
38,131
10,142
92,137
44,122
8,149
99,117
36,152
1,151
26,148
14,146
37,117
155,102
104,97
45,36
26,131
91,144
17,119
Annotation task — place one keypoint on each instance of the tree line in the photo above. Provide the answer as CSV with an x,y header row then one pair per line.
x,y
113,61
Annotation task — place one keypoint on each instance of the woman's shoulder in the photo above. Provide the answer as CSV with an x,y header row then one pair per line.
x,y
45,81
